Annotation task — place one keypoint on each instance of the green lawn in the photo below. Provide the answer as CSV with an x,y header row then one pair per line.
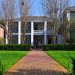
x,y
63,57
9,58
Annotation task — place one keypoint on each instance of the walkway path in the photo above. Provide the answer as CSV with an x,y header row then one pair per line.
x,y
37,63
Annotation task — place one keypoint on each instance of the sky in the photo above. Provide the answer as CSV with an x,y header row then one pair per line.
x,y
37,8
72,2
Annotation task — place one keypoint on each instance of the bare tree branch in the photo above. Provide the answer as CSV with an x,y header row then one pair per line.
x,y
7,13
54,9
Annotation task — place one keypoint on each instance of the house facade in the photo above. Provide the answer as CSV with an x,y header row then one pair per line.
x,y
1,32
66,17
38,31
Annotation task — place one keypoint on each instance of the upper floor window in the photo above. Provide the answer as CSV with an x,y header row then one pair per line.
x,y
26,27
14,27
48,26
38,25
72,14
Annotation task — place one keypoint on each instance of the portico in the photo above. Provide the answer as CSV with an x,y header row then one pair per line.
x,y
36,33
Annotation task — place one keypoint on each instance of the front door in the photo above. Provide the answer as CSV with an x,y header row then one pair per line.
x,y
49,39
38,40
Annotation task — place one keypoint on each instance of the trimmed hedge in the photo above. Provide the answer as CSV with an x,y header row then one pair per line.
x,y
15,47
49,47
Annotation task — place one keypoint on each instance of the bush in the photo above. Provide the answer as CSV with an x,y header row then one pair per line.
x,y
58,47
16,47
1,41
2,68
73,61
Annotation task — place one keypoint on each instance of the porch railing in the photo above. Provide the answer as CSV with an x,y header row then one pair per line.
x,y
38,31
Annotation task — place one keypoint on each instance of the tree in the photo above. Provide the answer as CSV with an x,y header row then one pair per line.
x,y
7,15
54,9
50,9
64,6
25,6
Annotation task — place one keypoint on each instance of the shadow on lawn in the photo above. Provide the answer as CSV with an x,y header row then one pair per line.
x,y
35,72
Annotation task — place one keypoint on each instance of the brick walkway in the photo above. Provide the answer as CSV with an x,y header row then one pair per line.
x,y
36,63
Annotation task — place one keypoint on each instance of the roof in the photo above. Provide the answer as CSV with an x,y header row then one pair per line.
x,y
67,10
2,26
36,18
70,8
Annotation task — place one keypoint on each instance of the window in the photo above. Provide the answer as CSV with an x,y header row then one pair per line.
x,y
14,39
28,27
14,28
38,26
72,13
28,39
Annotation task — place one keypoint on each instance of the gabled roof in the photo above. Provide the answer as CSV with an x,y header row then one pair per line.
x,y
67,9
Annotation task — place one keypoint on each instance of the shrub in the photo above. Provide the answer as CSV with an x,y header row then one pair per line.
x,y
58,47
16,47
2,68
73,61
1,41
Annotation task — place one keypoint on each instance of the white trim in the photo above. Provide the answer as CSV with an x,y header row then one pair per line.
x,y
38,34
37,21
68,15
6,35
27,33
19,32
45,32
32,33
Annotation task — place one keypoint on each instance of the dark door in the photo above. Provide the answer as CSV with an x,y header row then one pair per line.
x,y
49,40
36,41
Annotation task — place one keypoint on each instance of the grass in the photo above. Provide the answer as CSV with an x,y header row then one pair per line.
x,y
9,58
63,57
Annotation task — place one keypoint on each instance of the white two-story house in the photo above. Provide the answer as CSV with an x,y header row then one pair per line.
x,y
38,31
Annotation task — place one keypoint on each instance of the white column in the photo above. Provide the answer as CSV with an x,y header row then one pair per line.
x,y
32,33
19,32
68,25
45,32
6,34
68,15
